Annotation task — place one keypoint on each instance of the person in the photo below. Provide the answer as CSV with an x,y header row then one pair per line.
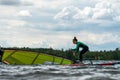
x,y
84,47
1,54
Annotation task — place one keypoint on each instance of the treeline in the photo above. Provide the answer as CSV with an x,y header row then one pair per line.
x,y
104,55
95,55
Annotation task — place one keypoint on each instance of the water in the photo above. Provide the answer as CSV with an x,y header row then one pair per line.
x,y
57,72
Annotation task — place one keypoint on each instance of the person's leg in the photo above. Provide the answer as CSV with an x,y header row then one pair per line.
x,y
84,50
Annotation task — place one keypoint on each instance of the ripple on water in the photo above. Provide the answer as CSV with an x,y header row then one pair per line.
x,y
56,72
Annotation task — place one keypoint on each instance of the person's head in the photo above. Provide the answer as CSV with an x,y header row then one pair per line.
x,y
75,40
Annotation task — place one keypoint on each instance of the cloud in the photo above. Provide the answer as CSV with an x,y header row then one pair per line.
x,y
53,4
15,2
117,18
99,38
10,2
31,38
84,14
54,23
6,12
13,23
67,13
24,13
102,11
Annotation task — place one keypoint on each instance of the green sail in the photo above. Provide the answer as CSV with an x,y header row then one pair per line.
x,y
19,57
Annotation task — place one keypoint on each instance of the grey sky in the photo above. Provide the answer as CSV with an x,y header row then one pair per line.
x,y
44,23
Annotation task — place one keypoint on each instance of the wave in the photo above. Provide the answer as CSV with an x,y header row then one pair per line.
x,y
56,72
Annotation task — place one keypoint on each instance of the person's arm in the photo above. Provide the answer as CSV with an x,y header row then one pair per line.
x,y
76,49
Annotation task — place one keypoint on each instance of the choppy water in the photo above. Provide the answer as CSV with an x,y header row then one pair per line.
x,y
57,72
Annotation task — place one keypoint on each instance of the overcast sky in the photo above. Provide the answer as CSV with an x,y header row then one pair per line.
x,y
54,23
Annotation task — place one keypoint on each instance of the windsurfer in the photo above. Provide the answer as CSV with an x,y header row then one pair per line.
x,y
1,54
79,44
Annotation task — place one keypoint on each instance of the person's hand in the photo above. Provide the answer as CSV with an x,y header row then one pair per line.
x,y
73,53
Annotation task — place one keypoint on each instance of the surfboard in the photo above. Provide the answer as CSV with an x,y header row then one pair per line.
x,y
98,64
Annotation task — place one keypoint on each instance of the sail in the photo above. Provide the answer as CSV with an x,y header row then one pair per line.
x,y
26,57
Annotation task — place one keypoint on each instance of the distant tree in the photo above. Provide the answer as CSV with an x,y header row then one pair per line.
x,y
117,49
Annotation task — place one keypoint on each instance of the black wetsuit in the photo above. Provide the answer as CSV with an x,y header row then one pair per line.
x,y
1,54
